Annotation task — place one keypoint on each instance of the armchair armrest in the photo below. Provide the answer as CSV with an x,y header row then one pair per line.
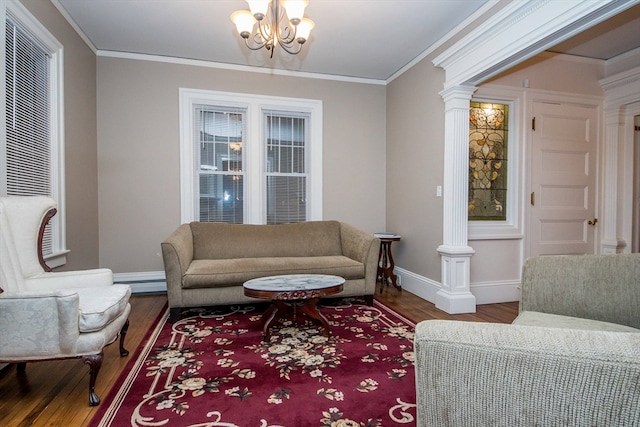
x,y
361,246
509,375
70,279
26,320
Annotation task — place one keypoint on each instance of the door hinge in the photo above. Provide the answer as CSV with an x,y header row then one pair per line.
x,y
533,198
533,124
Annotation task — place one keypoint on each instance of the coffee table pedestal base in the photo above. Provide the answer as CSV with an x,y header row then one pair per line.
x,y
293,293
303,302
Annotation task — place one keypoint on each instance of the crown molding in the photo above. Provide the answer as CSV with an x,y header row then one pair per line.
x,y
519,31
73,24
235,67
458,29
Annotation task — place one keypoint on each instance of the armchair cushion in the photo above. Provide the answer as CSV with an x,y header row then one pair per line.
x,y
100,305
534,318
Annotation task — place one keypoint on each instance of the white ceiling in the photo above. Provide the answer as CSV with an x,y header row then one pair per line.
x,y
371,39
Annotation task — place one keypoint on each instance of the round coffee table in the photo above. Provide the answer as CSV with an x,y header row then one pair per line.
x,y
293,292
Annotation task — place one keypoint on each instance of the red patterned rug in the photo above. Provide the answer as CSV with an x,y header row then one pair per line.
x,y
213,369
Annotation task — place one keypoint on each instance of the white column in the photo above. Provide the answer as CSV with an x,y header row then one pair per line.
x,y
455,295
611,242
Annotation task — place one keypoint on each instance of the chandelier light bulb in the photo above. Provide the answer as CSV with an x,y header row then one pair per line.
x,y
244,21
304,29
259,8
295,10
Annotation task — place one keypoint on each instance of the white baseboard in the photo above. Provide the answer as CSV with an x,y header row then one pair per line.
x,y
418,285
485,293
496,292
144,282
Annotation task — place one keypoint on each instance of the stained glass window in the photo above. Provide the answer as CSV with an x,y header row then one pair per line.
x,y
488,136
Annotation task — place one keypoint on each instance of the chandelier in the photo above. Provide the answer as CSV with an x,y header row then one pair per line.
x,y
281,23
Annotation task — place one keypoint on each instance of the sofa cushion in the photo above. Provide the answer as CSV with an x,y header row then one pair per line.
x,y
232,272
100,305
229,241
535,318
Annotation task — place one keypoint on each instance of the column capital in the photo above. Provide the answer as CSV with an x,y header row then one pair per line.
x,y
458,93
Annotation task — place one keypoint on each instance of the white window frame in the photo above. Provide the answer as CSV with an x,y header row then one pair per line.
x,y
254,150
28,22
511,228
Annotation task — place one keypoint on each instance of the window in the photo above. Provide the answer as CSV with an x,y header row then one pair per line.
x,y
32,145
286,167
219,134
249,158
488,142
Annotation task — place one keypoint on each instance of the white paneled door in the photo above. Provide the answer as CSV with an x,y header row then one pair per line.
x,y
563,177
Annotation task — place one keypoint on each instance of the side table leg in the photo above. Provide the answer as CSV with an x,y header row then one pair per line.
x,y
388,266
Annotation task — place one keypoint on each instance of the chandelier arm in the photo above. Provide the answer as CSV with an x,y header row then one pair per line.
x,y
284,34
289,48
264,32
258,45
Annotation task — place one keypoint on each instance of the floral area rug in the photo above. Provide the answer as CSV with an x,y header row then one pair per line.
x,y
212,368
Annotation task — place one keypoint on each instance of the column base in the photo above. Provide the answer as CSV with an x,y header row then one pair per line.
x,y
455,295
455,303
613,246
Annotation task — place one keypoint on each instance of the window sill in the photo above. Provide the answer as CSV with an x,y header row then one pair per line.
x,y
58,259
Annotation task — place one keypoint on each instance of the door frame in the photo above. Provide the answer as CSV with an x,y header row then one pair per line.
x,y
621,105
533,96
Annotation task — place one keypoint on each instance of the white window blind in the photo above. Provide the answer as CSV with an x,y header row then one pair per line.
x,y
286,166
249,159
220,139
28,139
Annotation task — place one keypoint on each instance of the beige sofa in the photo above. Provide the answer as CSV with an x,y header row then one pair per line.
x,y
571,358
206,263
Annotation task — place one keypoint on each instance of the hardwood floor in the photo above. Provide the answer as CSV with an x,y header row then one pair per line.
x,y
55,393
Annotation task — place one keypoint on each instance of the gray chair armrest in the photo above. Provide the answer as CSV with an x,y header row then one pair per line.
x,y
481,374
38,323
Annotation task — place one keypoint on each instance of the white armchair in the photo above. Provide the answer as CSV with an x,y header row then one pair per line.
x,y
47,315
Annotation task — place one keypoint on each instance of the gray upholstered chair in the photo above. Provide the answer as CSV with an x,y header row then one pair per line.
x,y
571,358
48,315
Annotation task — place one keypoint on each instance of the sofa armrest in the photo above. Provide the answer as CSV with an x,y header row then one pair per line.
x,y
508,375
598,287
38,324
363,247
177,254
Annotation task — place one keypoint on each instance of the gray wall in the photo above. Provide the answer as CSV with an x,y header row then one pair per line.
x,y
415,157
138,150
80,137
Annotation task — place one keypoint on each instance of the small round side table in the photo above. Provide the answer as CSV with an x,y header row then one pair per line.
x,y
385,260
